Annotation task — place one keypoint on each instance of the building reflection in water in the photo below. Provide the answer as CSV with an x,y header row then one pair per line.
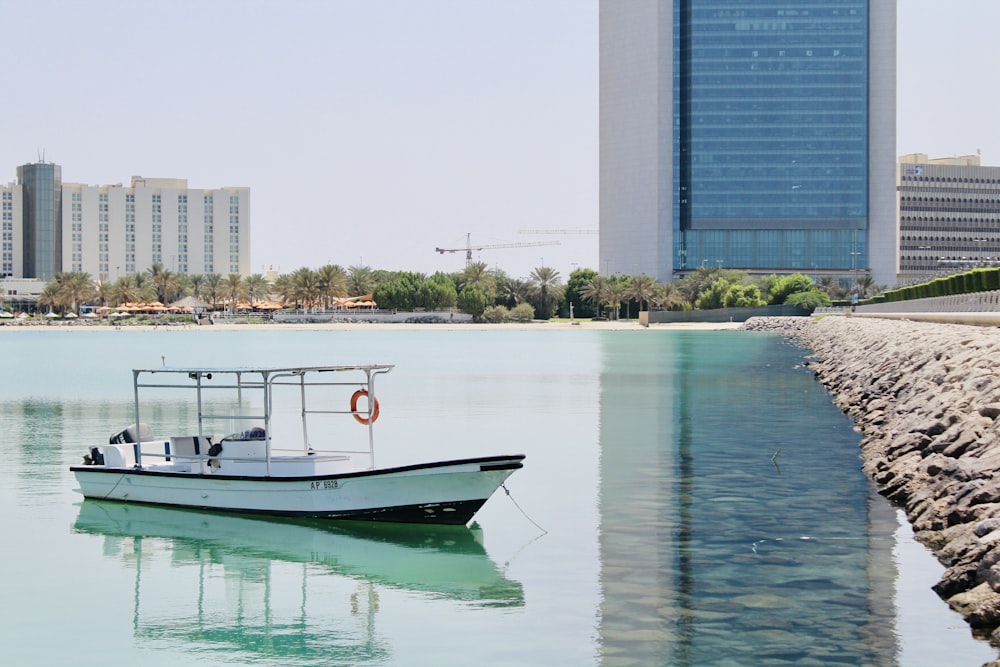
x,y
712,553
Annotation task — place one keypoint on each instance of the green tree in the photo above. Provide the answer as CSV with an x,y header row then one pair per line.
x,y
233,290
401,292
697,282
788,285
133,288
473,300
642,289
212,289
865,286
669,297
76,288
478,275
743,296
360,281
331,282
514,291
595,291
830,285
581,306
165,282
255,288
615,294
714,296
810,300
304,286
196,283
437,293
547,291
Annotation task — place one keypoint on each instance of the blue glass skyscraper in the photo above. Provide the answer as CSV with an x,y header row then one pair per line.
x,y
748,134
42,225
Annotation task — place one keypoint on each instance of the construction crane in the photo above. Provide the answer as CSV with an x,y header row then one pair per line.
x,y
469,248
557,231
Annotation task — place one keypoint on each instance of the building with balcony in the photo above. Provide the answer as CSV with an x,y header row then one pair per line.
x,y
949,216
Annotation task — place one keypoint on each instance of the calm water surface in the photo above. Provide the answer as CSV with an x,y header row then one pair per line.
x,y
675,535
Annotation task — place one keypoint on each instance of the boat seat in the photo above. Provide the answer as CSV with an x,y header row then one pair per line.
x,y
119,456
190,445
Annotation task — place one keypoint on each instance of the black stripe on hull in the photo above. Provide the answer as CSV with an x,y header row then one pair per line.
x,y
486,463
457,513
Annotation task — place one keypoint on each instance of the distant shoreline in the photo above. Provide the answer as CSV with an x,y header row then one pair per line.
x,y
621,325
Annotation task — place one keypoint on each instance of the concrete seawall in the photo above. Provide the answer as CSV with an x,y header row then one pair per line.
x,y
926,397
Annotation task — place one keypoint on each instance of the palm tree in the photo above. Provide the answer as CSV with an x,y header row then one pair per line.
x,y
478,275
50,295
331,281
546,283
212,289
284,288
105,292
515,291
865,285
305,287
256,288
196,282
360,281
596,292
232,290
669,297
125,290
165,281
74,288
615,295
642,288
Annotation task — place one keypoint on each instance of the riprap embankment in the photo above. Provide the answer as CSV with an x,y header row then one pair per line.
x,y
926,398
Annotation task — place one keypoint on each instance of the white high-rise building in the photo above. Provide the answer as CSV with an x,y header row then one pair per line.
x,y
11,245
110,230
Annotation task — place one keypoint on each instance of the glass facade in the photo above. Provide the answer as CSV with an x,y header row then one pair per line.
x,y
771,134
42,224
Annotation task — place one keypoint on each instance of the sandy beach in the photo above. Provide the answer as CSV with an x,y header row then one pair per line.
x,y
629,325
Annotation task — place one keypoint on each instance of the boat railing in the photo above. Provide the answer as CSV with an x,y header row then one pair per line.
x,y
313,456
248,398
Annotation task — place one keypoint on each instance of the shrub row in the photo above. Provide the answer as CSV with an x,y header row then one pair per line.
x,y
976,280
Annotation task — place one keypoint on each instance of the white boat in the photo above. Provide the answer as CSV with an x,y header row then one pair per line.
x,y
328,473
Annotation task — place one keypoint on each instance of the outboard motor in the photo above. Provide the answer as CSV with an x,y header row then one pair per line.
x,y
132,434
95,458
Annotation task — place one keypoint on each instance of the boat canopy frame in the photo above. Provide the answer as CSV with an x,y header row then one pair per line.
x,y
264,379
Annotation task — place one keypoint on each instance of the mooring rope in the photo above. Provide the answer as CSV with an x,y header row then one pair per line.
x,y
108,494
507,491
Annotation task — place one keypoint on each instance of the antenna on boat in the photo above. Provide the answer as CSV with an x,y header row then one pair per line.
x,y
163,360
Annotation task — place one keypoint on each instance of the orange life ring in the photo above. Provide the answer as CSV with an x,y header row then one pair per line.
x,y
354,407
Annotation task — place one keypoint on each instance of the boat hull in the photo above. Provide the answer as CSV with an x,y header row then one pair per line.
x,y
446,492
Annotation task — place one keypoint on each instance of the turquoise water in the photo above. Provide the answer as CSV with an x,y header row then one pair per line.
x,y
702,497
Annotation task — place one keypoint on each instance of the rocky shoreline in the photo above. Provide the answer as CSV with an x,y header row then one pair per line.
x,y
926,398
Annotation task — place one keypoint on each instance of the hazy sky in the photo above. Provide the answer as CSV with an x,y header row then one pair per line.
x,y
372,131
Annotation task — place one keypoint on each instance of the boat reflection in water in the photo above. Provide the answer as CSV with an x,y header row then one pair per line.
x,y
296,588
